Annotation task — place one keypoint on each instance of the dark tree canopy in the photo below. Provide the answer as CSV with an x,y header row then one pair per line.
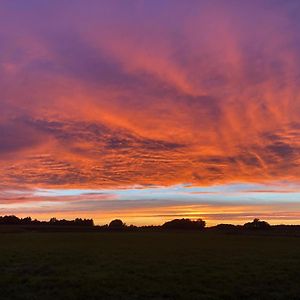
x,y
225,227
256,224
184,224
116,224
13,220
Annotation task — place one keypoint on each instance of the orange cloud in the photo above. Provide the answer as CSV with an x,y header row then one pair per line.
x,y
105,98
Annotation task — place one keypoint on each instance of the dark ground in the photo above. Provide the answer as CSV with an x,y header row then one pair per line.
x,y
148,265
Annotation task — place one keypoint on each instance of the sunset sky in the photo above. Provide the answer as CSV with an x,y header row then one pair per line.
x,y
150,110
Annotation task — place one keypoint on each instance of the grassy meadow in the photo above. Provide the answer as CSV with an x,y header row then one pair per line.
x,y
148,265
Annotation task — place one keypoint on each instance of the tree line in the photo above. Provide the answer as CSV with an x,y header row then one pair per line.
x,y
13,220
176,224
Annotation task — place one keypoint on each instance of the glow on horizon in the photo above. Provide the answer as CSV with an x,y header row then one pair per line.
x,y
223,193
235,203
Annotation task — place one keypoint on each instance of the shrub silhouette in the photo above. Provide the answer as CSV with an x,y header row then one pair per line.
x,y
76,222
184,224
225,227
256,224
116,224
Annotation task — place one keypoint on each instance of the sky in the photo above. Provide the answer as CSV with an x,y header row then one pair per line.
x,y
150,110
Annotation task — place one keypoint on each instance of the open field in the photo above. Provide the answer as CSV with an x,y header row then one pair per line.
x,y
148,265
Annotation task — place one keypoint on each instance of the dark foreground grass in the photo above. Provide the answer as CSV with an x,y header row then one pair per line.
x,y
163,265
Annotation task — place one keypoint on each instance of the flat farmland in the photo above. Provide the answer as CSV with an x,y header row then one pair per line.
x,y
148,265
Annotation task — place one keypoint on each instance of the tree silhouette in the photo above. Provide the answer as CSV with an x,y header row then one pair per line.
x,y
185,224
256,224
13,220
116,224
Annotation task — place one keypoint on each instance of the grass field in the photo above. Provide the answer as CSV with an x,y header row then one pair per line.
x,y
148,265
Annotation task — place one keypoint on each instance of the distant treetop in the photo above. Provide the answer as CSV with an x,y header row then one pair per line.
x,y
257,224
116,224
13,220
184,224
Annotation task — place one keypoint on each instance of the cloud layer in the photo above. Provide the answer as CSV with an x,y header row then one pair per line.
x,y
111,94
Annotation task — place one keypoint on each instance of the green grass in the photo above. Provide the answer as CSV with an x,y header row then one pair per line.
x,y
137,265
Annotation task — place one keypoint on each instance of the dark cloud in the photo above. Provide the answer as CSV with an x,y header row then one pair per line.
x,y
16,136
281,150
